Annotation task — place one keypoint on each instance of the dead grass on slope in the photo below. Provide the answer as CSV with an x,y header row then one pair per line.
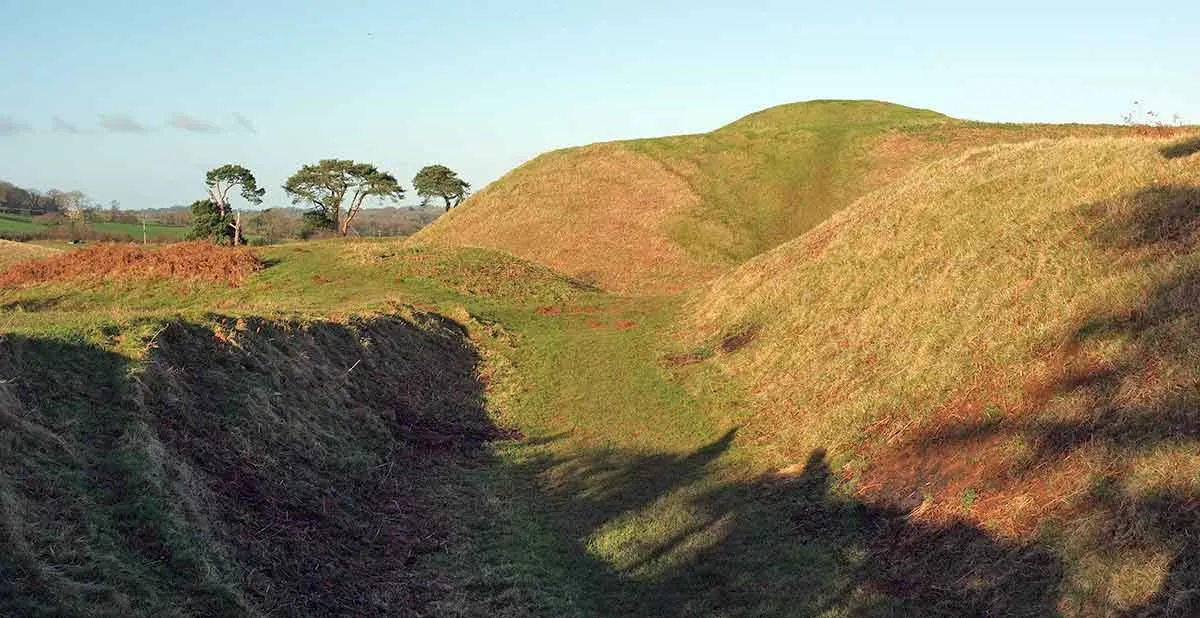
x,y
189,261
595,213
665,214
15,252
900,152
1007,338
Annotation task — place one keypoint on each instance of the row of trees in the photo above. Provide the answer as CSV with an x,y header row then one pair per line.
x,y
276,224
334,191
32,202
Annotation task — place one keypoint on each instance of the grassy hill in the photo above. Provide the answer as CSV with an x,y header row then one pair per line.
x,y
309,439
660,215
1007,337
970,392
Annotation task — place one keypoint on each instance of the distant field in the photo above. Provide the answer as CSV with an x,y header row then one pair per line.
x,y
18,224
22,225
153,230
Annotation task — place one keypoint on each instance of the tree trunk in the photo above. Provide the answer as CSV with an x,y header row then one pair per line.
x,y
237,229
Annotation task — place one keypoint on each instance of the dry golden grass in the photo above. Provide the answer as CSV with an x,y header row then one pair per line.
x,y
990,247
14,252
594,213
662,215
1007,336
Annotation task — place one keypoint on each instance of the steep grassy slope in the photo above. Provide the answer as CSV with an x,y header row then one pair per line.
x,y
159,460
971,394
660,215
1009,336
258,445
232,467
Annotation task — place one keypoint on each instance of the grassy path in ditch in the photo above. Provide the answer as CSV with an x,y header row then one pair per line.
x,y
632,495
631,492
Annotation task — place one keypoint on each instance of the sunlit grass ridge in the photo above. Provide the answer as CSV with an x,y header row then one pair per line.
x,y
1008,335
661,215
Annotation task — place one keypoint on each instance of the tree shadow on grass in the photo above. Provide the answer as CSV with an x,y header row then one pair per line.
x,y
1179,150
1114,411
33,305
668,537
1162,219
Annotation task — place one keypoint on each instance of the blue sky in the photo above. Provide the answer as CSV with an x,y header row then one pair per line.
x,y
133,101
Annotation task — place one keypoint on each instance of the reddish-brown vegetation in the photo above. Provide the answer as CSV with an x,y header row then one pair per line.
x,y
192,260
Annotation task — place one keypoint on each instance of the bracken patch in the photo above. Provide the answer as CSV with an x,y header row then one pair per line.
x,y
189,261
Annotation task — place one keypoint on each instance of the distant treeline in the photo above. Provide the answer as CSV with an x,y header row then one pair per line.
x,y
275,224
70,213
19,200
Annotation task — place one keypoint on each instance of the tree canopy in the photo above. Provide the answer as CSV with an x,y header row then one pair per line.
x,y
212,224
326,184
13,197
440,181
223,179
213,218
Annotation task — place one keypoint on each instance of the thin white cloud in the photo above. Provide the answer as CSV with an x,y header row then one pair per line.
x,y
58,125
121,123
185,122
12,126
244,123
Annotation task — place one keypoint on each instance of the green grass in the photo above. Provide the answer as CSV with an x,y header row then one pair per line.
x,y
22,225
631,493
969,394
773,175
155,232
599,370
654,216
175,469
19,224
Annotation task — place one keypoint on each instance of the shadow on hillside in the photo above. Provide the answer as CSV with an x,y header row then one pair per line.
x,y
1182,149
77,532
779,546
324,451
1163,218
33,305
247,468
1109,411
1161,342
